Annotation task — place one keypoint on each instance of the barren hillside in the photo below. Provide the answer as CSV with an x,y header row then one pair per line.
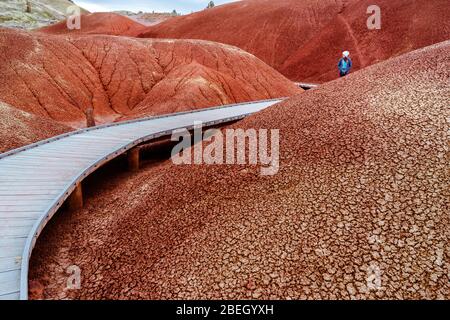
x,y
98,23
271,30
59,77
43,12
148,18
304,39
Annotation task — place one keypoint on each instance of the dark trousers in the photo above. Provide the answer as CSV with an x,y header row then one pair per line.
x,y
343,73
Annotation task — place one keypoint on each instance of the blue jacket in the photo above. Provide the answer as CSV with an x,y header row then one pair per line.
x,y
345,66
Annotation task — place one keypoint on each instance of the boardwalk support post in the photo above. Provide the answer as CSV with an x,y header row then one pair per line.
x,y
76,198
133,159
90,120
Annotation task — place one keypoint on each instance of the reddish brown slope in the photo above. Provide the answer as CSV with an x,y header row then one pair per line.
x,y
271,30
362,191
59,77
98,23
405,26
19,128
304,39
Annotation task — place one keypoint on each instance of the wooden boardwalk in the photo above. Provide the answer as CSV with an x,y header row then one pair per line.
x,y
37,179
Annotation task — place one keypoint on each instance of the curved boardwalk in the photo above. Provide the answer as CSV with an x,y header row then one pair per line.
x,y
36,180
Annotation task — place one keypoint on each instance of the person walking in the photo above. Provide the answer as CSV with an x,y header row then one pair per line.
x,y
345,64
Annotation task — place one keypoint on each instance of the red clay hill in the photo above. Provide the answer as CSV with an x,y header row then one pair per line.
x,y
304,39
99,23
405,26
271,30
59,77
358,209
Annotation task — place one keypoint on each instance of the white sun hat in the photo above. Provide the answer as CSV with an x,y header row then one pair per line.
x,y
345,53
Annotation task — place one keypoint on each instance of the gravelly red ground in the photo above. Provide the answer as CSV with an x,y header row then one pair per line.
x,y
362,188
